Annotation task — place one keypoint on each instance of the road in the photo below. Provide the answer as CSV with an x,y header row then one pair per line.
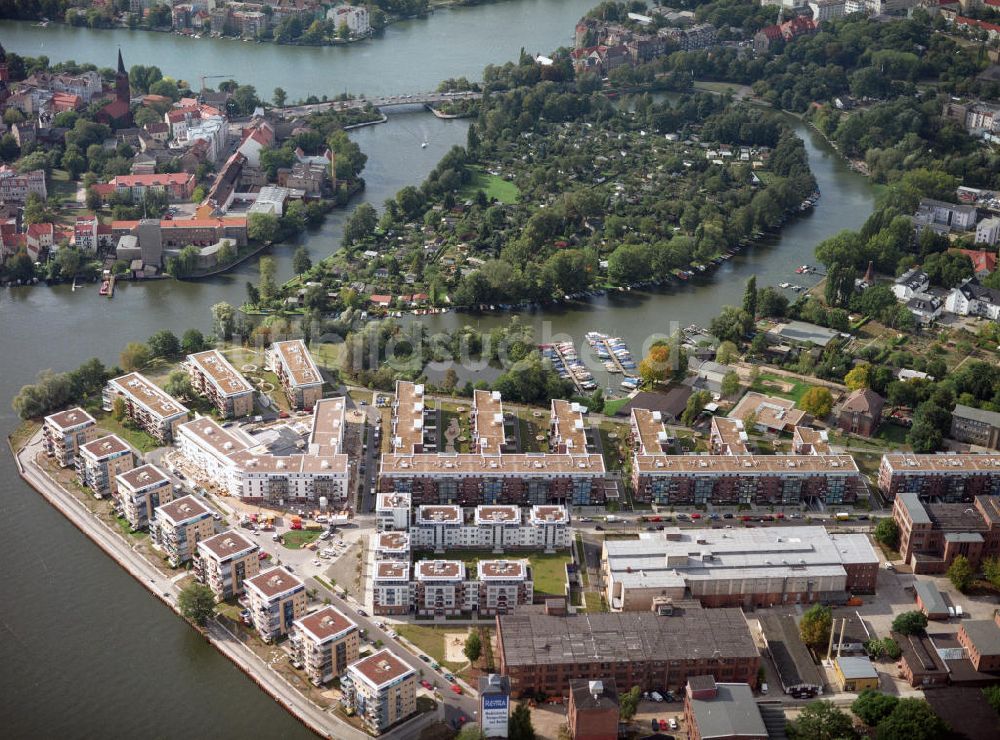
x,y
162,587
428,98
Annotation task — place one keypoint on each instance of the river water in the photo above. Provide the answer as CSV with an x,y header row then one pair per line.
x,y
85,651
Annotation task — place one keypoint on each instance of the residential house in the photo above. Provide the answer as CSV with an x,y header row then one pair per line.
x,y
297,372
943,217
973,299
140,491
976,426
155,411
213,376
987,232
861,412
16,186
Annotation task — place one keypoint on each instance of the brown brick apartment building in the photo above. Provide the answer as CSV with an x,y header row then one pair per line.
x,y
981,639
542,653
932,535
950,478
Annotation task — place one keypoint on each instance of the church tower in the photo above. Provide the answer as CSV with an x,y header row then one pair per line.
x,y
121,82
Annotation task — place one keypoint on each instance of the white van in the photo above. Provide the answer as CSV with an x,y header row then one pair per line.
x,y
656,696
763,688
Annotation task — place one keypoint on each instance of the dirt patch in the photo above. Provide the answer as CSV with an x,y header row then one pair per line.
x,y
454,644
347,571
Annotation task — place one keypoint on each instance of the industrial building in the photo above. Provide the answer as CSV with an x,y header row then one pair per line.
x,y
721,711
932,535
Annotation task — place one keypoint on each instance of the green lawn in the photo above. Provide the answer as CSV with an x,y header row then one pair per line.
x,y
894,434
135,437
594,602
611,407
769,384
495,187
547,569
296,539
430,641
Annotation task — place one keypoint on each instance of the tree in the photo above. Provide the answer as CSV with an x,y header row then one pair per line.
x,y
68,261
909,623
858,377
253,295
226,254
872,706
473,646
178,385
730,383
750,297
118,408
731,325
360,224
268,287
961,573
280,96
629,702
224,320
817,401
665,362
991,569
164,343
993,697
887,532
911,719
815,625
135,356
726,353
300,261
821,720
197,602
262,227
193,341
884,648
695,405
520,727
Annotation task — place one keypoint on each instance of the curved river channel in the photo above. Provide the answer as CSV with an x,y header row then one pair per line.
x,y
84,649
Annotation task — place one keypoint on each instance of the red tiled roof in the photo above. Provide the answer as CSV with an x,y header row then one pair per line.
x,y
962,21
36,230
982,261
173,178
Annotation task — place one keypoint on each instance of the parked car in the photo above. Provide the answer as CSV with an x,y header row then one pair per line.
x,y
424,658
450,678
696,515
598,528
217,516
426,684
456,688
672,723
728,515
362,613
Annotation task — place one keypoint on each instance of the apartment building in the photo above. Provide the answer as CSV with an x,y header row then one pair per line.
x,y
243,467
176,186
156,412
381,689
225,561
976,426
214,377
809,441
489,476
541,653
392,512
297,372
504,585
737,567
392,546
950,478
770,413
498,527
101,460
277,599
391,593
179,526
730,475
593,710
440,588
325,642
64,433
932,535
568,430
140,491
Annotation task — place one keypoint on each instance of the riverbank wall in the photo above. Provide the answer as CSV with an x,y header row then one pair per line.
x,y
160,586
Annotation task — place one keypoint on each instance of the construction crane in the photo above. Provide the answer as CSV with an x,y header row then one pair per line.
x,y
211,77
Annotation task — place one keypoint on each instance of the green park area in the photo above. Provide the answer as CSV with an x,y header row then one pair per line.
x,y
495,187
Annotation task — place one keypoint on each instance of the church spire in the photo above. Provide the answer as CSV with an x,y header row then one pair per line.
x,y
121,64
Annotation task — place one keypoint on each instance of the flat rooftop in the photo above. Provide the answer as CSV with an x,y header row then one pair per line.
x,y
531,638
150,396
142,477
327,435
570,428
817,439
388,501
852,667
772,412
548,514
444,464
487,428
956,518
274,583
674,556
226,378
732,434
649,430
501,570
984,634
746,465
392,570
948,464
498,514
802,332
380,669
439,570
326,624
439,514
69,419
408,418
105,447
226,545
302,370
182,510
393,541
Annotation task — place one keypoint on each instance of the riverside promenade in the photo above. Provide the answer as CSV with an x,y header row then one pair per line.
x,y
323,723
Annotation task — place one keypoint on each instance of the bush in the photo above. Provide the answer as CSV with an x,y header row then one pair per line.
x,y
887,532
909,623
872,706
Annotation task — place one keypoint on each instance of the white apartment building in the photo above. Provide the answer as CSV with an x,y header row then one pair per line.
x,y
140,491
499,527
238,464
392,512
440,588
355,17
988,231
392,546
503,585
391,588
